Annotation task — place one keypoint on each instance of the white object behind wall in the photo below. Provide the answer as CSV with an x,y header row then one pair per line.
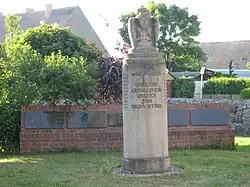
x,y
198,88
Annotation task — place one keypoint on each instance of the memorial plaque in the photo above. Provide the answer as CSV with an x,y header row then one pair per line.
x,y
43,120
87,119
209,117
177,117
115,119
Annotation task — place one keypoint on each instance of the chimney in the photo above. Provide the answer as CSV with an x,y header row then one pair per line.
x,y
48,10
29,10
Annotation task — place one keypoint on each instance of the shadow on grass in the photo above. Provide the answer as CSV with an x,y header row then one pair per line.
x,y
243,148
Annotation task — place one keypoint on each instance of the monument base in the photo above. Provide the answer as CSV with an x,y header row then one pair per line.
x,y
146,165
173,170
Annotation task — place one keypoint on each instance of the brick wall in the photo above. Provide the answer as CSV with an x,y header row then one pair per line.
x,y
110,137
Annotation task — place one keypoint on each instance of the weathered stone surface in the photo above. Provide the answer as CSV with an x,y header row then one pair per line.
x,y
246,118
209,117
172,170
87,119
145,128
146,165
237,111
177,117
143,29
115,119
43,120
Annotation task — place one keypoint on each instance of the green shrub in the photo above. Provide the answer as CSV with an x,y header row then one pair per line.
x,y
184,87
39,72
226,85
47,39
245,93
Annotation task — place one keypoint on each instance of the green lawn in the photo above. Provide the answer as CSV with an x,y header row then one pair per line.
x,y
202,168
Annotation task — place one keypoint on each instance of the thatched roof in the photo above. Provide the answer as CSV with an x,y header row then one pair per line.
x,y
220,53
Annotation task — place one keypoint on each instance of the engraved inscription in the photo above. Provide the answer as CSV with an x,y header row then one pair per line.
x,y
125,91
146,93
165,92
139,106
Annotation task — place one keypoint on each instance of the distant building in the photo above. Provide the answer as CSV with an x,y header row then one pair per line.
x,y
220,53
195,75
71,17
240,73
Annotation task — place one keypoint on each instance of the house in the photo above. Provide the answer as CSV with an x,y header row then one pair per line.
x,y
71,17
220,53
195,75
239,73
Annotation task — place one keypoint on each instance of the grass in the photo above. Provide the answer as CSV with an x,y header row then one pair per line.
x,y
202,168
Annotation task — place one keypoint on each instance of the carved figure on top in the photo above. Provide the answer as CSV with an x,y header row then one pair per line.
x,y
143,29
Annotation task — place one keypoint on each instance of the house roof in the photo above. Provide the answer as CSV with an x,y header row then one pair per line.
x,y
220,53
171,74
185,74
61,16
33,19
208,72
237,72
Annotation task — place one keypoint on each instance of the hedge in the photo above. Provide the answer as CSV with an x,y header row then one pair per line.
x,y
245,93
226,85
184,87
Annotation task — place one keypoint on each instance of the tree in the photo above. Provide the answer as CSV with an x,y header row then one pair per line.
x,y
60,65
37,68
177,31
12,24
248,65
111,80
1,51
51,38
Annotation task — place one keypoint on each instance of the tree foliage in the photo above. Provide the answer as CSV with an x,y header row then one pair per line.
x,y
184,87
248,65
44,65
177,32
111,80
245,93
12,24
47,39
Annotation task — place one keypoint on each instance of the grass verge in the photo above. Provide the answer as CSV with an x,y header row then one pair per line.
x,y
202,168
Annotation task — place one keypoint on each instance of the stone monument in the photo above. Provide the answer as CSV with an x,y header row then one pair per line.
x,y
145,128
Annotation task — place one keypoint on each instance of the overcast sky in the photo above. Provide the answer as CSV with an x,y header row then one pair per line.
x,y
222,20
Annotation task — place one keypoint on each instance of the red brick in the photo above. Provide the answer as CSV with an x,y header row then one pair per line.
x,y
111,138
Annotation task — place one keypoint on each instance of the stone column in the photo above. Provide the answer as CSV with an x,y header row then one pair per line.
x,y
145,127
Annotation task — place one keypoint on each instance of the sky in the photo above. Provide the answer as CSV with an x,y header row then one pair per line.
x,y
221,20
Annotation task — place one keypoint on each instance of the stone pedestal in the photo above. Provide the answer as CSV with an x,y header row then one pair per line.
x,y
145,128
